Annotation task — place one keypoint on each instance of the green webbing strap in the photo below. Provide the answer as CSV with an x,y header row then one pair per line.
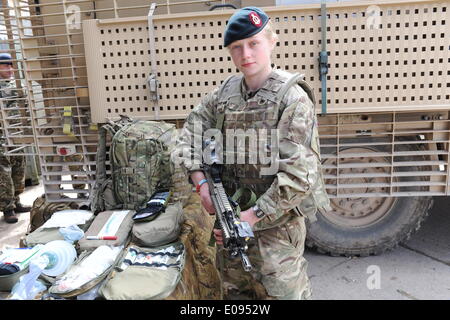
x,y
221,116
220,120
101,152
238,194
323,56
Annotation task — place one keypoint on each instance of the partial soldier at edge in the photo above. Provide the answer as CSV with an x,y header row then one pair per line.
x,y
12,168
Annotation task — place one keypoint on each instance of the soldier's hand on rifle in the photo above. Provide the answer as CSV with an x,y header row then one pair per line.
x,y
203,191
249,216
218,235
206,199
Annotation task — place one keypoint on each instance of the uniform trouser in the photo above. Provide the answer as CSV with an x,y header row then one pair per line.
x,y
279,268
12,180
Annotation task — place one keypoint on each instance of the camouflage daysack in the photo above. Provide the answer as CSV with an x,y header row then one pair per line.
x,y
42,210
139,161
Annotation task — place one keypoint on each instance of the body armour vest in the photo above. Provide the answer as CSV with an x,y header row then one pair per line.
x,y
249,135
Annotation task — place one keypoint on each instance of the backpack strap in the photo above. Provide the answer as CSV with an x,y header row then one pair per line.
x,y
101,153
220,117
296,79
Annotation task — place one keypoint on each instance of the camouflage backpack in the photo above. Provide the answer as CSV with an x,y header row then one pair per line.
x,y
140,163
42,210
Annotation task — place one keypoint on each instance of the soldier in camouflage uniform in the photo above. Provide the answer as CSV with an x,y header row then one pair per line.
x,y
280,104
12,168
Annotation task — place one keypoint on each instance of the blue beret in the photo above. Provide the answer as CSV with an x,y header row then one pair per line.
x,y
244,23
5,58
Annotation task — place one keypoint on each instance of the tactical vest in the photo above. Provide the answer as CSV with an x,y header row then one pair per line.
x,y
261,111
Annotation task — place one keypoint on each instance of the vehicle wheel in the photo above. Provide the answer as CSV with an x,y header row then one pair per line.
x,y
362,226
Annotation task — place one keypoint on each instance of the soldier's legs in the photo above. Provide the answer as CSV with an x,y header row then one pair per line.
x,y
279,267
283,271
18,174
7,199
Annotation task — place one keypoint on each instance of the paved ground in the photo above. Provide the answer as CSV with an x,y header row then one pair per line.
x,y
11,233
418,269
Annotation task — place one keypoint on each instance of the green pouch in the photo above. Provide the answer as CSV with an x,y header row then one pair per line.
x,y
145,273
165,228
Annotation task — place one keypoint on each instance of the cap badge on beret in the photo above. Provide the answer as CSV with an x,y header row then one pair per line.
x,y
244,23
255,19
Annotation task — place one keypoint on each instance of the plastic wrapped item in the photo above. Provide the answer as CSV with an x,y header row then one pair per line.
x,y
71,233
60,254
66,218
52,259
19,257
28,286
87,270
14,264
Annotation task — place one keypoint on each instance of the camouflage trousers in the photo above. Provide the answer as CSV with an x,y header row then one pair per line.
x,y
12,180
279,268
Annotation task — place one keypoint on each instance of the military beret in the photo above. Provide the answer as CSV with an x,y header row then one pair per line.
x,y
5,58
244,23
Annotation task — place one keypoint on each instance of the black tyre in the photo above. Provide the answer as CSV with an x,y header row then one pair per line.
x,y
371,225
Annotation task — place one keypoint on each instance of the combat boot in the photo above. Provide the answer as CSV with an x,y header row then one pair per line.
x,y
9,216
21,208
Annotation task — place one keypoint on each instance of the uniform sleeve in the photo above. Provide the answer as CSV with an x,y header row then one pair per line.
x,y
188,152
299,159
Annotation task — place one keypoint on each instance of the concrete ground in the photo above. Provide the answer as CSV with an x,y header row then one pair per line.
x,y
10,233
417,269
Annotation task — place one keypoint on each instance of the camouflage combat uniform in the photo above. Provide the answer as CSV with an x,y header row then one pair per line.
x,y
12,168
295,191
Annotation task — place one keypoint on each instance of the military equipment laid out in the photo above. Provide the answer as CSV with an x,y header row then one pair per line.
x,y
118,257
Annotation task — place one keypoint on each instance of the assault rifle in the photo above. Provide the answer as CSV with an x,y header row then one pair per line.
x,y
236,233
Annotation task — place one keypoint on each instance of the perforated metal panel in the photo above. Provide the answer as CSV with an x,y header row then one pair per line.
x,y
398,61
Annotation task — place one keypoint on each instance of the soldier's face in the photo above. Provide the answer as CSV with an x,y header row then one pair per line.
x,y
252,55
6,71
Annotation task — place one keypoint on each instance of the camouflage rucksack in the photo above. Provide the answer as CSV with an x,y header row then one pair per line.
x,y
140,163
42,210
